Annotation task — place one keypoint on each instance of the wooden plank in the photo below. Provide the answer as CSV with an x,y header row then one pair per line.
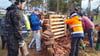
x,y
57,23
56,19
57,30
59,33
57,26
56,16
59,36
46,35
65,29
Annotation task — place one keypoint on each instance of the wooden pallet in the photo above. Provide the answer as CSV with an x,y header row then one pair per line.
x,y
57,26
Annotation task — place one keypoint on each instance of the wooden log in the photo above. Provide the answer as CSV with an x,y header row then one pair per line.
x,y
48,34
48,42
51,51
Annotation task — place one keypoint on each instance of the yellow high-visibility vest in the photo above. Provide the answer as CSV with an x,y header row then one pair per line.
x,y
27,21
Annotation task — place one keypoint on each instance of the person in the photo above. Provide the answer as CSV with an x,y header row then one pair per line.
x,y
13,27
81,41
1,33
35,30
92,17
98,40
25,28
76,32
88,27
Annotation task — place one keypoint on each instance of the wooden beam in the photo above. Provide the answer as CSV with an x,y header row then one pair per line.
x,y
57,26
56,19
57,30
59,36
57,23
59,33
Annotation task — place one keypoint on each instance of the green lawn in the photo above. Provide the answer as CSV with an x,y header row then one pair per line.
x,y
96,21
1,16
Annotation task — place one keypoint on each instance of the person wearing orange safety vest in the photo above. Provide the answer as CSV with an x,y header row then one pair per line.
x,y
76,32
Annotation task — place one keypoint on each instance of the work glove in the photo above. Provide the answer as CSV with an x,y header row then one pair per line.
x,y
28,31
21,43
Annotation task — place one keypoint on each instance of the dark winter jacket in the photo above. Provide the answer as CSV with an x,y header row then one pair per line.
x,y
13,22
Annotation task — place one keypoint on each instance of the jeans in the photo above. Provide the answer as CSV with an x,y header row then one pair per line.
x,y
90,31
37,40
3,41
74,46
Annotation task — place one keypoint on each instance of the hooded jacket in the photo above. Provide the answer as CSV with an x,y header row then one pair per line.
x,y
13,22
35,22
75,25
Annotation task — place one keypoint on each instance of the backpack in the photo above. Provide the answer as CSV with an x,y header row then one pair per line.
x,y
30,21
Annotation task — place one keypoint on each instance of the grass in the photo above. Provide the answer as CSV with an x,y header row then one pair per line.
x,y
2,52
1,15
96,21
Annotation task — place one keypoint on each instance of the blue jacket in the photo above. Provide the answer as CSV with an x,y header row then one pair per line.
x,y
35,22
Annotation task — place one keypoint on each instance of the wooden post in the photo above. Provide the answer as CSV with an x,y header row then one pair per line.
x,y
57,6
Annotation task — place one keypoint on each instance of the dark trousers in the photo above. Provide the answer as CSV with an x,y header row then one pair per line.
x,y
74,46
98,41
90,31
12,45
3,41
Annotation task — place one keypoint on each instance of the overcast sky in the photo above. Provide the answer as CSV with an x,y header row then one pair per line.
x,y
6,3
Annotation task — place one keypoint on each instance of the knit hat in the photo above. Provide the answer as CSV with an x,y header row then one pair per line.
x,y
13,1
74,14
20,0
81,14
76,9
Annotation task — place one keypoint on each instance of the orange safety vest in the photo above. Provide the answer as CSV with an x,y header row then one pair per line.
x,y
76,26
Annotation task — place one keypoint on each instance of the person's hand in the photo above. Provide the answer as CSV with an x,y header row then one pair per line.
x,y
28,31
64,20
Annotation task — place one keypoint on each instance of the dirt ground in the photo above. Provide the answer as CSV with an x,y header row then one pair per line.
x,y
32,52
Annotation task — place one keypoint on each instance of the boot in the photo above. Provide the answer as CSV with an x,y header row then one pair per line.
x,y
83,46
97,46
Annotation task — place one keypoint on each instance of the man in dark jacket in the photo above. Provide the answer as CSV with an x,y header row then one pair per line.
x,y
13,27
